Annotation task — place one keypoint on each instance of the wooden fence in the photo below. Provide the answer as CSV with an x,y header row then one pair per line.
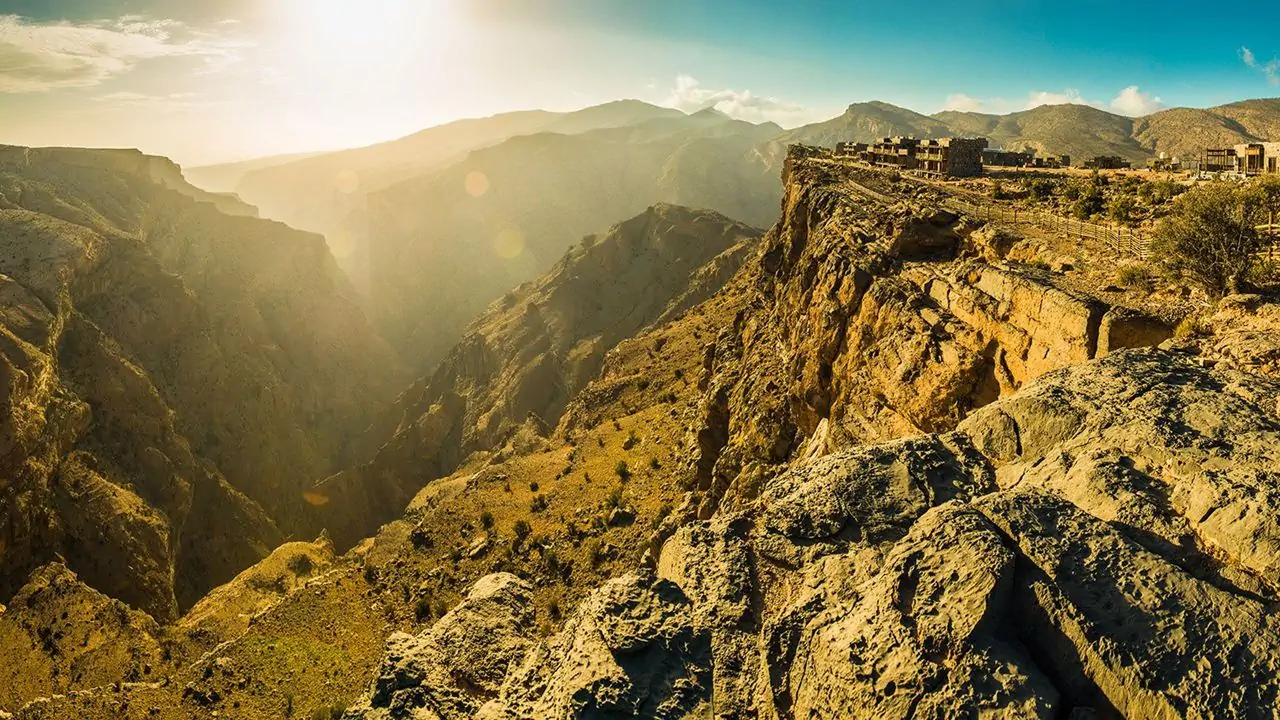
x,y
1121,239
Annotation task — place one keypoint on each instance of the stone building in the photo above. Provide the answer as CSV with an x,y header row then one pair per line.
x,y
997,157
1246,159
951,157
1107,162
1258,158
946,157
1052,161
852,149
894,152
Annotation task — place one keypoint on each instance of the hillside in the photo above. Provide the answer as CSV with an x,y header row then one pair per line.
x,y
439,252
525,358
224,178
867,122
161,360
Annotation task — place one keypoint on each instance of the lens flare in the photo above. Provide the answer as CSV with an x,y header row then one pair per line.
x,y
477,183
315,499
509,244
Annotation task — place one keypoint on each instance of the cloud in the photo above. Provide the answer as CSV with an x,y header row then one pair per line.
x,y
1133,102
169,103
38,57
1130,101
963,103
690,96
1270,69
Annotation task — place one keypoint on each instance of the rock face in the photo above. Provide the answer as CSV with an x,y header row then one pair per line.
x,y
1101,543
532,352
461,660
887,330
173,376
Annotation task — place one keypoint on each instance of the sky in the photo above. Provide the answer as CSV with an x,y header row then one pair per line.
x,y
206,81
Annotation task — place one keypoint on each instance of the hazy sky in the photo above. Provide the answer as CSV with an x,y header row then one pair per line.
x,y
212,80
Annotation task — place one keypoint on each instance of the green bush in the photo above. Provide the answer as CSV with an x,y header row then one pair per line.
x,y
1090,202
1121,209
622,470
1210,236
1041,189
1134,276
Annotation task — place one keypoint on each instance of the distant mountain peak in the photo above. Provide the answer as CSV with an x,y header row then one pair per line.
x,y
710,111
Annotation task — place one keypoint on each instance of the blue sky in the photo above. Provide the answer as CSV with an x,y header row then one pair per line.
x,y
210,80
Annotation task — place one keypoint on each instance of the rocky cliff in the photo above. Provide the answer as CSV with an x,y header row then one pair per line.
x,y
1102,543
173,376
861,466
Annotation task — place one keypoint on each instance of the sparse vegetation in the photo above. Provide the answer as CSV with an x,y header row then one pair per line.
x,y
1137,276
614,499
521,529
1193,326
422,609
1041,189
1121,209
1089,202
301,565
622,471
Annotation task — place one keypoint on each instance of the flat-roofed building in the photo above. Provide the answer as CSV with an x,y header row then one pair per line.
x,y
1257,158
998,157
951,157
1107,162
894,152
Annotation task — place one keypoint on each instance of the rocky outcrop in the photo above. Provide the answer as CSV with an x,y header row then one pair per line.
x,y
866,324
173,376
58,634
460,661
1101,543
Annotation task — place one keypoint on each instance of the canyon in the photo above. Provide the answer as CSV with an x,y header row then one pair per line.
x,y
871,462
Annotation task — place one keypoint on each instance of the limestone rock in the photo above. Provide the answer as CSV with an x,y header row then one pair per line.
x,y
449,670
633,648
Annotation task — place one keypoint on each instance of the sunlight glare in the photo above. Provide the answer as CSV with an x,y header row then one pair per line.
x,y
337,44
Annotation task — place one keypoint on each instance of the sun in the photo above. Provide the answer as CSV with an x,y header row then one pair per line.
x,y
328,30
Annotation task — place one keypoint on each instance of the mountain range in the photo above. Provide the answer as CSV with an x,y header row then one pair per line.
x,y
433,227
